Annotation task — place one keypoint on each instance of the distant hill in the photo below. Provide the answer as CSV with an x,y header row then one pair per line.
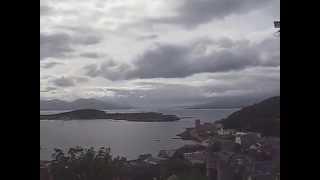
x,y
263,117
79,104
228,102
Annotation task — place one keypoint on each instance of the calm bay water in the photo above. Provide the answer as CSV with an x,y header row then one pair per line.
x,y
125,138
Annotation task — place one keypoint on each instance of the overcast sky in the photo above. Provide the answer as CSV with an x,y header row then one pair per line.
x,y
159,52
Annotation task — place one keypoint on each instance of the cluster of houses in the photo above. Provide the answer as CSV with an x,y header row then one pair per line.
x,y
230,154
233,155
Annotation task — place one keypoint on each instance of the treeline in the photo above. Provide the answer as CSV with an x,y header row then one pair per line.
x,y
90,164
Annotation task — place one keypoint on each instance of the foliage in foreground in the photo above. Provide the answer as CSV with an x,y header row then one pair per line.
x,y
88,164
85,164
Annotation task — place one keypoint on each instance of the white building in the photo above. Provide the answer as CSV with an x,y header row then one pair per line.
x,y
224,132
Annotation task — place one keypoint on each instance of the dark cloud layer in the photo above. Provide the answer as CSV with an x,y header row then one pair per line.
x,y
192,13
60,44
177,61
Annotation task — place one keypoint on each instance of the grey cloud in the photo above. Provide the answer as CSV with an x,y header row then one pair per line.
x,y
69,81
178,61
171,61
50,65
109,70
226,43
88,40
147,37
54,45
243,83
225,76
236,100
238,88
48,89
63,82
162,95
91,55
60,44
45,10
152,84
92,70
81,79
192,13
243,88
166,61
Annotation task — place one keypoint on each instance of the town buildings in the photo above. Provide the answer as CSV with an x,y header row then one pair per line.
x,y
243,156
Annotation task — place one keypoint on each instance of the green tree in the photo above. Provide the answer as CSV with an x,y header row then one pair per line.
x,y
86,164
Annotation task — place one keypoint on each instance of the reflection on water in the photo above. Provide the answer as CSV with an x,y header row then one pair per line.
x,y
125,138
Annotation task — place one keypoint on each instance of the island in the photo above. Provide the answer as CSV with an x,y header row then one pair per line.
x,y
90,114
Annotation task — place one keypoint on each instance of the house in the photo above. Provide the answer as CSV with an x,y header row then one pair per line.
x,y
218,125
152,160
225,132
166,154
197,157
224,144
238,137
133,163
202,130
247,139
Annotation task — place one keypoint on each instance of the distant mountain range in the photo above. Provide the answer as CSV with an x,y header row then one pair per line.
x,y
263,117
80,104
228,102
